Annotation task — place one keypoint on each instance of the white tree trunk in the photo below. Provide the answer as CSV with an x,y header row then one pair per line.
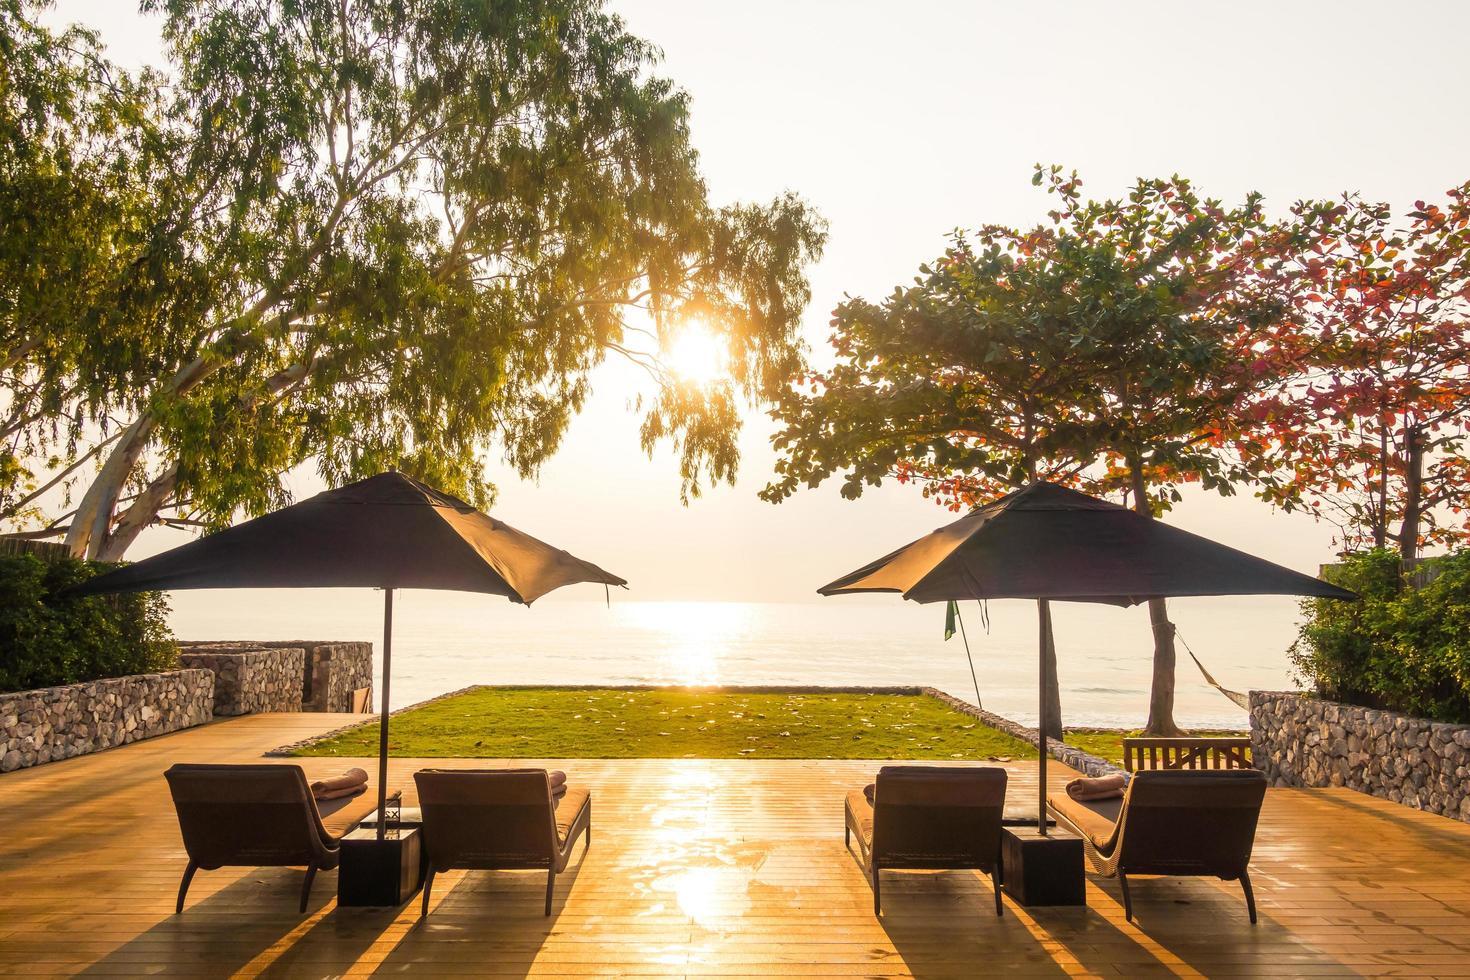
x,y
93,519
143,511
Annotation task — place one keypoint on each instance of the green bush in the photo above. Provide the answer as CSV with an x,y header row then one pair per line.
x,y
1401,647
48,639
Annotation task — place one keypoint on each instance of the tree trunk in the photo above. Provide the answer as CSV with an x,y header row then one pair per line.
x,y
1380,519
93,519
1161,693
142,512
1408,536
92,534
1052,723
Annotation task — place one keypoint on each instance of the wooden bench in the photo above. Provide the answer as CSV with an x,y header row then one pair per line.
x,y
1143,753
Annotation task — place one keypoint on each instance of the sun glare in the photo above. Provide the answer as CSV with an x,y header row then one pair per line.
x,y
696,355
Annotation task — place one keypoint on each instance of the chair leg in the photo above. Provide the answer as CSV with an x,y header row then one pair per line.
x,y
995,881
877,900
1127,899
1250,897
428,887
550,887
184,886
306,886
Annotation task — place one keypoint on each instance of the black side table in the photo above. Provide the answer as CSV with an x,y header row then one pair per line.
x,y
1042,870
408,816
380,872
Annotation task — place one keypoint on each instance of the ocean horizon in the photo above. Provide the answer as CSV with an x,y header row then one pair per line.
x,y
447,641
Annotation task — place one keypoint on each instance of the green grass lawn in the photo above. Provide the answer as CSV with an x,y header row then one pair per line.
x,y
1107,743
551,723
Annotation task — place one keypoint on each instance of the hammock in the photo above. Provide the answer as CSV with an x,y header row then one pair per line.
x,y
1242,700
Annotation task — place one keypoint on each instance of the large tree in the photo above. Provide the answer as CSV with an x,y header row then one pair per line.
x,y
75,181
1201,302
936,387
1107,347
405,233
1370,428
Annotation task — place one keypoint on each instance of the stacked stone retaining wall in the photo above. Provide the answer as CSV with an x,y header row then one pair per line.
x,y
332,671
61,722
247,681
1305,741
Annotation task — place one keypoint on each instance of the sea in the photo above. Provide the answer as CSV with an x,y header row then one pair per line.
x,y
447,641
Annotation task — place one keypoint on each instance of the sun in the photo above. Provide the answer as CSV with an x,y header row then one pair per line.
x,y
696,355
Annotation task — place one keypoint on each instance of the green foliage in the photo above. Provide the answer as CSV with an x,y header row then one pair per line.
x,y
380,233
75,204
552,723
1401,647
1106,345
47,638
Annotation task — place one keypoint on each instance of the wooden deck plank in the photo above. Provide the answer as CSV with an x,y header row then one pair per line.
x,y
710,868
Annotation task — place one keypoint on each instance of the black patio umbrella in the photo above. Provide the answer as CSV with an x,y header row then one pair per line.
x,y
386,532
1047,542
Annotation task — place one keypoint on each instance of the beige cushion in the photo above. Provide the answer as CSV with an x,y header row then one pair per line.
x,y
1097,819
862,813
341,816
568,806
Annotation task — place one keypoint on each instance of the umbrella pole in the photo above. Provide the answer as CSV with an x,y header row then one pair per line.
x,y
383,718
1043,613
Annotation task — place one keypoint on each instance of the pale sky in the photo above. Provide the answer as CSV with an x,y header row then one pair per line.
x,y
900,122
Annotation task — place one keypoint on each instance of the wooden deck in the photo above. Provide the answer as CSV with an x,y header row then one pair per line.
x,y
700,868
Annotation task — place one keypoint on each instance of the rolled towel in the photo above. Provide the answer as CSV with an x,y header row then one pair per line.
x,y
346,784
556,778
869,790
337,794
1084,788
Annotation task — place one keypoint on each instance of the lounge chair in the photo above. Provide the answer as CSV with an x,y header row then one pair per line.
x,y
498,820
937,817
258,816
1171,822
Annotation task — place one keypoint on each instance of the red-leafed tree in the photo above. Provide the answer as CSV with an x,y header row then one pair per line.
x,y
1371,433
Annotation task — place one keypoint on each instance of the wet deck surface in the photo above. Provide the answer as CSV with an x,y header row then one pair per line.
x,y
700,868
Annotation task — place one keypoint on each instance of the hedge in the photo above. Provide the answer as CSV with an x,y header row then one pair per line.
x,y
1402,648
48,639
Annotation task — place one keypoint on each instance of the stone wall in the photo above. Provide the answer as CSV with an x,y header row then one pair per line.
x,y
247,681
61,722
1305,741
331,670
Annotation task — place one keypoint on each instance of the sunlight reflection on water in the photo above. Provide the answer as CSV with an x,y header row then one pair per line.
x,y
692,638
445,641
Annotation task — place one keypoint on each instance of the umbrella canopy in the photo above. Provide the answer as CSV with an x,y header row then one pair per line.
x,y
1048,542
385,532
